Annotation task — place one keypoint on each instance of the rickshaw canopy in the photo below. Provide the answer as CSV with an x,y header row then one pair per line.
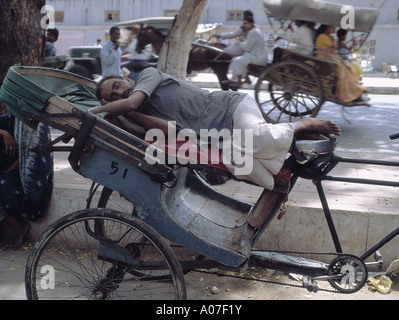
x,y
319,11
165,23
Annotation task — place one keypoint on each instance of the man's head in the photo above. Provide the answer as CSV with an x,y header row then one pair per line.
x,y
52,35
248,23
113,88
341,34
114,34
248,13
300,23
135,29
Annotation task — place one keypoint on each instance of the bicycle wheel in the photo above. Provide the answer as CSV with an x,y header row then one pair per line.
x,y
101,254
112,199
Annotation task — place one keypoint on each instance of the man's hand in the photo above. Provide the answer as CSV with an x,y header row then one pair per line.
x,y
10,145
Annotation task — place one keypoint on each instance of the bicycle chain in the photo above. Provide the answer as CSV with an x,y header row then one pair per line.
x,y
276,282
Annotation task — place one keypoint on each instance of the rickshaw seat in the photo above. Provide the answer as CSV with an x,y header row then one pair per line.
x,y
214,170
305,151
174,148
322,67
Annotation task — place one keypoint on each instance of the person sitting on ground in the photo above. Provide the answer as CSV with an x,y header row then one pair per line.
x,y
254,50
158,98
11,192
26,178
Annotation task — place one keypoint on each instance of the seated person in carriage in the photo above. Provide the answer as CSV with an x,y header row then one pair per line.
x,y
253,52
237,33
346,52
157,99
302,37
349,89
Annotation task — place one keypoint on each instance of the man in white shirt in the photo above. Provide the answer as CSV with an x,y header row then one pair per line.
x,y
302,37
254,53
111,54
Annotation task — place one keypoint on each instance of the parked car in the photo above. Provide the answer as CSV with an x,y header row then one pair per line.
x,y
56,62
85,61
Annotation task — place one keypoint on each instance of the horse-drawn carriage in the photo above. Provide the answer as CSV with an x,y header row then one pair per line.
x,y
297,85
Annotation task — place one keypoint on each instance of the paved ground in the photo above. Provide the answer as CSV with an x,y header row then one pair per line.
x,y
200,285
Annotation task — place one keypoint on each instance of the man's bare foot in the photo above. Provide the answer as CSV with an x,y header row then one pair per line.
x,y
313,127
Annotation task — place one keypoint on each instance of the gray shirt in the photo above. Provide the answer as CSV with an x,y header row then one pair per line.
x,y
172,99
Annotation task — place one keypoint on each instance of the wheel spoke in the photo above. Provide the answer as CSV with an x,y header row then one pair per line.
x,y
295,91
123,259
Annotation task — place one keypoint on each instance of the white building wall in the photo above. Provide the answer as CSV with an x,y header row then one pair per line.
x,y
91,12
84,20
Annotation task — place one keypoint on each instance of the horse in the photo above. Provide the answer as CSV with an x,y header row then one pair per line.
x,y
203,55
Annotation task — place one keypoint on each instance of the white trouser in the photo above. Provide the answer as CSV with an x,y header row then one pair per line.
x,y
239,66
271,143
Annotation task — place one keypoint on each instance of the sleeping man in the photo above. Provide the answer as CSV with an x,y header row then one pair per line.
x,y
159,100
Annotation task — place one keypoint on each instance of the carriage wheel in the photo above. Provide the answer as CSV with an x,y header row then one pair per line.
x,y
289,90
102,254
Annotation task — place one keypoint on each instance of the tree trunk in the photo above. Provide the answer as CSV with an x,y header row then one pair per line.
x,y
21,35
174,55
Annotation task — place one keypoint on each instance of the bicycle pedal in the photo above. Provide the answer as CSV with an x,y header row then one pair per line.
x,y
309,284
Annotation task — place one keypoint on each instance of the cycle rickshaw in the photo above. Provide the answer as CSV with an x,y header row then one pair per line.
x,y
104,253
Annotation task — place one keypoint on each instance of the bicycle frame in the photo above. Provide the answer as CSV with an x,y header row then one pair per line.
x,y
326,209
324,176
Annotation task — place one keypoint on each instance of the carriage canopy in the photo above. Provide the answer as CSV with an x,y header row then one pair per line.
x,y
320,12
156,22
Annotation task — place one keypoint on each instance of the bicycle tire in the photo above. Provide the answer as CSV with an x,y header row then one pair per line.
x,y
87,264
112,199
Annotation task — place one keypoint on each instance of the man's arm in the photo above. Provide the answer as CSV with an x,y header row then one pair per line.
x,y
127,107
10,145
149,122
122,107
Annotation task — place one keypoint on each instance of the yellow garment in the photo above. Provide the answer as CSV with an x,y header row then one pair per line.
x,y
359,70
324,44
348,86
